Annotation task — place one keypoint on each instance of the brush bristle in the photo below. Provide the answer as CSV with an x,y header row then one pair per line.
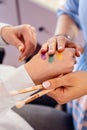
x,y
13,93
20,104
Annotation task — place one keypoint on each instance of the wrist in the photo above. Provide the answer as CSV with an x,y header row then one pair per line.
x,y
33,70
68,37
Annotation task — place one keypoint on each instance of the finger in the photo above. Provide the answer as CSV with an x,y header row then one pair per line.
x,y
65,80
52,46
18,44
52,83
44,48
29,49
61,41
29,43
73,56
78,48
21,48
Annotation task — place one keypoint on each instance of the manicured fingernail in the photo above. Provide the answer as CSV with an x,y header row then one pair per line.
x,y
46,84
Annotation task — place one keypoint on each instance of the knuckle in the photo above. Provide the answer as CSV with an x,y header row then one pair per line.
x,y
52,39
33,28
25,27
61,39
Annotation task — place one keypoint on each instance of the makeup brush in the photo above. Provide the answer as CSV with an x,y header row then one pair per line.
x,y
33,97
29,89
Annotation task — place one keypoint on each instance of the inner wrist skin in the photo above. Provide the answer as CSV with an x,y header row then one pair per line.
x,y
34,69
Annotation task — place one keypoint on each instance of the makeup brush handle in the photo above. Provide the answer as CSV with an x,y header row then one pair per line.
x,y
37,95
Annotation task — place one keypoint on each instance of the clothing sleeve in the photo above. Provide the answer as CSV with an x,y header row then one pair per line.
x,y
2,42
71,8
19,80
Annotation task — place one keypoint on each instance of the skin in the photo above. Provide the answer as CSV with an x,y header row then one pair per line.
x,y
41,70
23,37
68,87
65,25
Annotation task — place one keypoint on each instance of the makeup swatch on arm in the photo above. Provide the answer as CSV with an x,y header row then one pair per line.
x,y
51,58
59,55
43,55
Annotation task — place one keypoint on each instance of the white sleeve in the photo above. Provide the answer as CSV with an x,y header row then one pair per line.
x,y
19,80
2,42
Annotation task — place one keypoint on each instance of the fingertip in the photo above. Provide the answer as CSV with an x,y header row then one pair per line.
x,y
51,52
43,51
46,84
21,48
60,48
21,58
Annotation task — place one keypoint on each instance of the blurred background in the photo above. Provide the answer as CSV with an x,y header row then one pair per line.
x,y
39,13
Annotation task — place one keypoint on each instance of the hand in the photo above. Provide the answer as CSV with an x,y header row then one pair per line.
x,y
67,87
23,37
59,43
41,70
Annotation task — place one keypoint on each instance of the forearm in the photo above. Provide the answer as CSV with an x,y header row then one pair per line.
x,y
65,25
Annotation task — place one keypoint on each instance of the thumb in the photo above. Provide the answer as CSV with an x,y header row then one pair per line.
x,y
61,41
56,82
18,44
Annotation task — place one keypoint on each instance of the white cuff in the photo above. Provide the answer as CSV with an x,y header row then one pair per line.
x,y
19,80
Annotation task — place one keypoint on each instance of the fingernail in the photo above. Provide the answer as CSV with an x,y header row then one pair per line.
x,y
21,59
60,47
50,51
20,48
46,84
79,53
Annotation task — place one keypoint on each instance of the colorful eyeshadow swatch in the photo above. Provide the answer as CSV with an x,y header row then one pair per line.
x,y
51,58
59,55
43,56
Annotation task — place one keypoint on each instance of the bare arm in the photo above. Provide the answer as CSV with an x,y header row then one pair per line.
x,y
65,25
